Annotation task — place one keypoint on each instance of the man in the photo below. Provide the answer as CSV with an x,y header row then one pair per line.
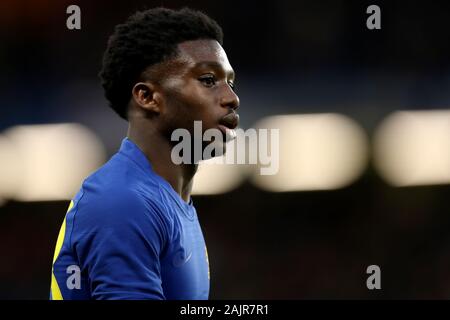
x,y
132,231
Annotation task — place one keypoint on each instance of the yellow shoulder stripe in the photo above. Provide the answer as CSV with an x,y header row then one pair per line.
x,y
56,292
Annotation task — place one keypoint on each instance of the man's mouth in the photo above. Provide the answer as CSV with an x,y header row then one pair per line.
x,y
228,125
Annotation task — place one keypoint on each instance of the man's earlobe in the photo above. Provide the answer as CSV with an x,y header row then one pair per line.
x,y
146,97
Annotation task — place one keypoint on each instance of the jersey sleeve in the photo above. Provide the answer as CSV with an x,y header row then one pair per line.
x,y
119,240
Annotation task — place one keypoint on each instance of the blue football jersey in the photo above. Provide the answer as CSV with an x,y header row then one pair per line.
x,y
128,235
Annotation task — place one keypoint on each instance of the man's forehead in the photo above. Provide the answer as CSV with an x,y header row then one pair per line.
x,y
198,52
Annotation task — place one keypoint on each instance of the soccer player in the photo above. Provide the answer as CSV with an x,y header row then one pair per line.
x,y
132,232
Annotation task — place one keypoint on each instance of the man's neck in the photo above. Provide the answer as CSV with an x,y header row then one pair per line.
x,y
158,150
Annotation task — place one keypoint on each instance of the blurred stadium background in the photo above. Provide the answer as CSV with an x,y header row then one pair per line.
x,y
364,119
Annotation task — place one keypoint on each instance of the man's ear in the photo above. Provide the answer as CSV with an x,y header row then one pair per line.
x,y
146,97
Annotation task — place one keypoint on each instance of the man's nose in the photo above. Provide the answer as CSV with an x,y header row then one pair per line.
x,y
229,99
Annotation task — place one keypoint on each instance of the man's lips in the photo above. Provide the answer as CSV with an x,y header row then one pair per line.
x,y
230,121
228,124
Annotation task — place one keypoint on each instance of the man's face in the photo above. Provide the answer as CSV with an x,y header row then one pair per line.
x,y
199,87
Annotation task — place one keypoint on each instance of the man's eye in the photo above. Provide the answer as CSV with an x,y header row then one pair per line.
x,y
232,85
208,81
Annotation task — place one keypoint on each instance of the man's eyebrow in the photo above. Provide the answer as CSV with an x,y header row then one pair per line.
x,y
214,65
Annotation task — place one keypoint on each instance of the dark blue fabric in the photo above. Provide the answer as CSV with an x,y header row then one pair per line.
x,y
132,236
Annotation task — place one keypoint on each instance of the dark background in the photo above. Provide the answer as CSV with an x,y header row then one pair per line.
x,y
290,57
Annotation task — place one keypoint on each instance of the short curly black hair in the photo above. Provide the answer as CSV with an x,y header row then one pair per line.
x,y
145,39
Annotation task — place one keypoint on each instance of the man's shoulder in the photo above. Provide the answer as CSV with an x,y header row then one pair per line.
x,y
118,207
118,169
118,187
121,175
